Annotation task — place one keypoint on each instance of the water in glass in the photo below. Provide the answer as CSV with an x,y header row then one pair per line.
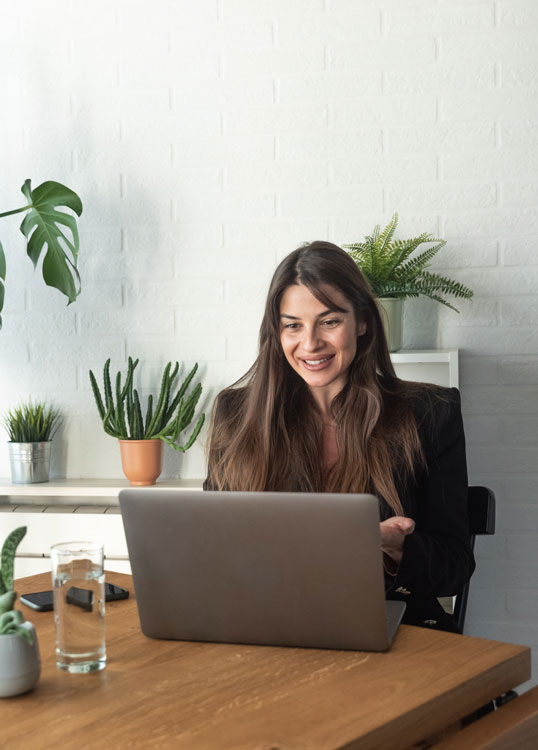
x,y
79,615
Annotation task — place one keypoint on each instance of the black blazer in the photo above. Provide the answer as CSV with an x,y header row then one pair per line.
x,y
437,558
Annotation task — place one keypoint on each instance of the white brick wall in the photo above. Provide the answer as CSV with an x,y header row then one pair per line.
x,y
209,139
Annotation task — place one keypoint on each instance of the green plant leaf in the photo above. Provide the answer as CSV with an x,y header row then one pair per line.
x,y
7,600
8,556
11,624
388,233
43,227
2,279
391,272
413,267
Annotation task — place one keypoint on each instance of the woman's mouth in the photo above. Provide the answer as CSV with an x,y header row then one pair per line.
x,y
317,363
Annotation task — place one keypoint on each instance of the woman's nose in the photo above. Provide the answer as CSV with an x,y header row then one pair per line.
x,y
311,340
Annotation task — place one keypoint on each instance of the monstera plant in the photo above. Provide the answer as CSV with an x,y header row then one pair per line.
x,y
44,227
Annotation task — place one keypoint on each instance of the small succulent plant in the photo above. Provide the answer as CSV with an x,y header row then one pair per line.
x,y
10,618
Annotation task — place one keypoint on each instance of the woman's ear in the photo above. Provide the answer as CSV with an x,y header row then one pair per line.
x,y
361,329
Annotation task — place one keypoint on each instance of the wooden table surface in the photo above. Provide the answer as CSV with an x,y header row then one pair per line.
x,y
204,696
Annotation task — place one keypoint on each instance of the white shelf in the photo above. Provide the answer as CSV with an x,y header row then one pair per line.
x,y
78,492
424,355
86,487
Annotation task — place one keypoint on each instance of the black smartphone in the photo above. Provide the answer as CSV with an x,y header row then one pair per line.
x,y
42,601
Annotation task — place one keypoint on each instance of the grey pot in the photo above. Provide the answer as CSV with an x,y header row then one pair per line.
x,y
30,462
20,663
391,310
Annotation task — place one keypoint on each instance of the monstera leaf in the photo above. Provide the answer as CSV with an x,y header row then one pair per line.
x,y
44,226
45,229
2,279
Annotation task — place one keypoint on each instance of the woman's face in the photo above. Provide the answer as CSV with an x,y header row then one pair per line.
x,y
318,342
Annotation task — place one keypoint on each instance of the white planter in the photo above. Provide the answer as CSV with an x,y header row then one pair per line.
x,y
391,310
20,663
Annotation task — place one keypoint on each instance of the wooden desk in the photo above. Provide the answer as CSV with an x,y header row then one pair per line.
x,y
204,696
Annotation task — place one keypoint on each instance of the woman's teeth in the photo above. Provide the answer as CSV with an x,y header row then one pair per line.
x,y
316,361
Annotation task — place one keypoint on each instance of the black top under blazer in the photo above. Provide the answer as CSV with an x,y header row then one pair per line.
x,y
437,559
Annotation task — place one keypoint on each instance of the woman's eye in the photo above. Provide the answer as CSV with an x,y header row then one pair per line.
x,y
330,322
291,326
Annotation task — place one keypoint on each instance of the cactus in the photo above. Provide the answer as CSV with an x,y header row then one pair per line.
x,y
10,618
121,412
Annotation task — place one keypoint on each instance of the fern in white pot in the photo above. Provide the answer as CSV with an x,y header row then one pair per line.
x,y
394,275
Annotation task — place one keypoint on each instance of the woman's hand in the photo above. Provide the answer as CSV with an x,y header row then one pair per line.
x,y
393,532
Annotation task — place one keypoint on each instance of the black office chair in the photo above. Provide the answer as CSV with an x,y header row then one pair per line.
x,y
481,509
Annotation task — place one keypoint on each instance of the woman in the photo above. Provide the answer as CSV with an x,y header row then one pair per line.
x,y
321,410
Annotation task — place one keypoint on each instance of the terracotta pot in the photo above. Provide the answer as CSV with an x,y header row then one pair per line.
x,y
142,461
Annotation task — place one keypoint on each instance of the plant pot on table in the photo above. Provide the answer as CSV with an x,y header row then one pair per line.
x,y
20,662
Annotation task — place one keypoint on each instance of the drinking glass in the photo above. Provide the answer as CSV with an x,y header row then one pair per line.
x,y
78,581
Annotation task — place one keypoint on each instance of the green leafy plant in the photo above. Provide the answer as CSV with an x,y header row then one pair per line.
x,y
122,413
32,423
391,271
43,227
11,619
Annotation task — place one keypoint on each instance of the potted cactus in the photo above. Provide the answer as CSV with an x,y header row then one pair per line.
x,y
141,436
20,664
393,275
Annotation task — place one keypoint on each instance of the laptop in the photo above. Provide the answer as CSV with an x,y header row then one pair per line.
x,y
266,568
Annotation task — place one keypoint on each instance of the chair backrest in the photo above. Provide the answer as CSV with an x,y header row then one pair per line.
x,y
481,510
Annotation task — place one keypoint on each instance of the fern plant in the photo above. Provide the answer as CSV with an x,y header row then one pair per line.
x,y
32,423
391,271
121,411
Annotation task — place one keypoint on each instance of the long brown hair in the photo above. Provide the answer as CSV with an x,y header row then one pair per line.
x,y
266,430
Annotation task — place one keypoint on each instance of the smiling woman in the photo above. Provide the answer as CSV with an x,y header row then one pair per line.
x,y
321,410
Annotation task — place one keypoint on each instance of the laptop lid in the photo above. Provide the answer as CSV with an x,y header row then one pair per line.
x,y
286,569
